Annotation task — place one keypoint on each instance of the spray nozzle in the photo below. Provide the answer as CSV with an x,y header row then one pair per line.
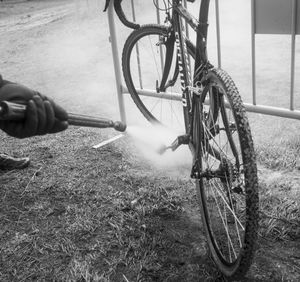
x,y
120,126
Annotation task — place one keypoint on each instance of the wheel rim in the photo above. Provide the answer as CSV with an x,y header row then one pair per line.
x,y
223,185
146,55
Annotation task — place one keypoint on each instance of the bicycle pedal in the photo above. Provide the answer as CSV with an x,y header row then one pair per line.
x,y
182,139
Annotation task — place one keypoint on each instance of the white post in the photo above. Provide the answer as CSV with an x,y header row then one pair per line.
x,y
116,60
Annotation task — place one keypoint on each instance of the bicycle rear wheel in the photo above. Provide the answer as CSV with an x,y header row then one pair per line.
x,y
143,62
226,174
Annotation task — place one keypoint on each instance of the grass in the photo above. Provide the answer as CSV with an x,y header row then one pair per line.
x,y
78,214
282,154
280,218
279,186
280,209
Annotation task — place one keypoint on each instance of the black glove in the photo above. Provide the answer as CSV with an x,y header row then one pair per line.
x,y
42,115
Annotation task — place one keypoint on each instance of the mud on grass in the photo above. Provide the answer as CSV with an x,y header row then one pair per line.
x,y
82,214
79,214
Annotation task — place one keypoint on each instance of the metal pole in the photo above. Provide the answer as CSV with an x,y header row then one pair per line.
x,y
116,60
261,109
253,51
293,42
160,47
218,33
137,49
157,12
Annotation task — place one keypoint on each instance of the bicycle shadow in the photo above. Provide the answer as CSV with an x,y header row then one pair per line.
x,y
180,249
183,254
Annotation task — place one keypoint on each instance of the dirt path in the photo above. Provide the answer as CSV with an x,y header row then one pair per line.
x,y
59,47
56,48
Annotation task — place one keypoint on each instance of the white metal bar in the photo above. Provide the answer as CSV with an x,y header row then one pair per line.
x,y
160,46
137,48
153,93
116,60
253,52
108,141
273,111
157,12
218,34
293,42
261,109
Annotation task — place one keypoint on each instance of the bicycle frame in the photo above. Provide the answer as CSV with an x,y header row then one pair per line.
x,y
189,95
179,13
200,27
216,128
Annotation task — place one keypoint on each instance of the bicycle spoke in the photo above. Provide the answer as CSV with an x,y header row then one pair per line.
x,y
229,208
154,54
153,42
227,181
223,189
224,221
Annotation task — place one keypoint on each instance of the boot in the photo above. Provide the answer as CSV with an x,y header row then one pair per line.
x,y
9,163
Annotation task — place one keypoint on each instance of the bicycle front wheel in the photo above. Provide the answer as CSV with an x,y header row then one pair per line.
x,y
143,61
226,174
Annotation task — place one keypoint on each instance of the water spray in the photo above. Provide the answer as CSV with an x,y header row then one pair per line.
x,y
15,111
148,139
182,139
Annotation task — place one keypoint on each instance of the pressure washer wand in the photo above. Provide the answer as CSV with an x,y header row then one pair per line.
x,y
15,111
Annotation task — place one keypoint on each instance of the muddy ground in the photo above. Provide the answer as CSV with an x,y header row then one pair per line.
x,y
82,214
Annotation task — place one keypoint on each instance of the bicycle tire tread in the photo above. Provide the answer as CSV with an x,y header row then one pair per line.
x,y
251,179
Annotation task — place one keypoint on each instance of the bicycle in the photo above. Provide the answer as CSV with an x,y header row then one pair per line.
x,y
215,126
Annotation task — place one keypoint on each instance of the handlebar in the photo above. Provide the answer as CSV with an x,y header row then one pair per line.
x,y
121,14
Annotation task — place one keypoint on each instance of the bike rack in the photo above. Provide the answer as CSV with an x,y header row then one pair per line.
x,y
251,107
271,17
121,89
116,60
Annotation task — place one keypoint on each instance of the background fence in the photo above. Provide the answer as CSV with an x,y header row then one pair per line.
x,y
278,18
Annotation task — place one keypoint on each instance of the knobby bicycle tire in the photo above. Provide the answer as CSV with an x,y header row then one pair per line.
x,y
232,188
135,39
215,80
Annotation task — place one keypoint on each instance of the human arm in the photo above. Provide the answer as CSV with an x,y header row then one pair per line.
x,y
42,114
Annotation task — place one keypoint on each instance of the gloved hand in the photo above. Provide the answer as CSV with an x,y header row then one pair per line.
x,y
42,115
